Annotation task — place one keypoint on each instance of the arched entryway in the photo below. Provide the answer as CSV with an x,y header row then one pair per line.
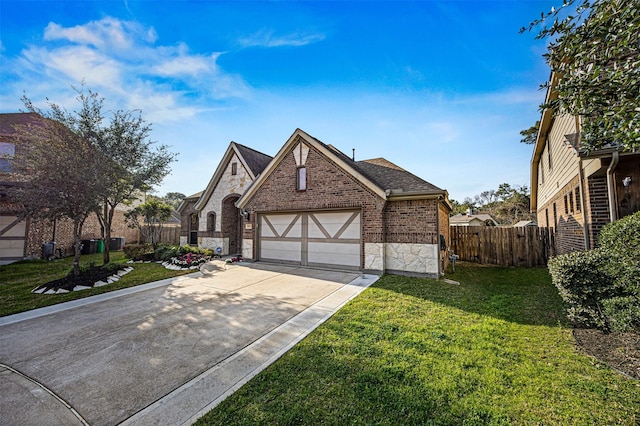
x,y
231,224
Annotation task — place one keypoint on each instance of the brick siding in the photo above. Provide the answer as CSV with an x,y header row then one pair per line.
x,y
597,205
569,226
411,221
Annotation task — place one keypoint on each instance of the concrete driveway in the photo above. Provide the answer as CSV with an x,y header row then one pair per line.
x,y
162,353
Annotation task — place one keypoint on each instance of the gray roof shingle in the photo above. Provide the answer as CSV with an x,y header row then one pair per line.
x,y
386,174
256,160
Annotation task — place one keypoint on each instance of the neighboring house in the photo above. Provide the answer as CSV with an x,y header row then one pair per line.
x,y
576,192
20,237
524,223
314,206
469,219
210,218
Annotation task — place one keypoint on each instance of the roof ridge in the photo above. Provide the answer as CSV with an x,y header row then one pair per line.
x,y
251,149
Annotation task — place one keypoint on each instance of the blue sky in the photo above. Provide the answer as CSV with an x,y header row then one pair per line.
x,y
441,88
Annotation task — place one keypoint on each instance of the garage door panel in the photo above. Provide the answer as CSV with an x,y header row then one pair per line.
x,y
11,229
281,250
312,238
334,225
282,226
334,254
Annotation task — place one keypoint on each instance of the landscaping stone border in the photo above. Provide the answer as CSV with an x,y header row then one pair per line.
x,y
109,280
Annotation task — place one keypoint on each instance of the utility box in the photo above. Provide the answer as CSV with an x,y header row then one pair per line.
x,y
89,246
116,244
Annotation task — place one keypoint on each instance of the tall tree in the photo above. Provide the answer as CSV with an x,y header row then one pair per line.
x,y
594,50
139,165
126,162
173,199
530,135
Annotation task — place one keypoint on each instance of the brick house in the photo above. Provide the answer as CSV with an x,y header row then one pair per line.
x,y
210,218
314,206
574,192
21,237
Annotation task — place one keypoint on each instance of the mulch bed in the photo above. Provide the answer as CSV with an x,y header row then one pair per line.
x,y
621,351
87,278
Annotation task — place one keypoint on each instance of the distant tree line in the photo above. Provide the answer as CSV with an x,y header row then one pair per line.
x,y
508,204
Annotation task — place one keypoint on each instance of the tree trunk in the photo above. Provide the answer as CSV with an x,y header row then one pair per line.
x,y
77,235
106,232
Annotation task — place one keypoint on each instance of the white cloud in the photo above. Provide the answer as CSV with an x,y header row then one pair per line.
x,y
120,60
108,33
266,38
184,65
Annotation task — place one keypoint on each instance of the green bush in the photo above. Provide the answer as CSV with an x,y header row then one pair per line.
x,y
582,284
621,241
138,251
165,252
601,287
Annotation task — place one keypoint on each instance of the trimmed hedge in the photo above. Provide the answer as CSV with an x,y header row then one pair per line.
x,y
601,287
162,253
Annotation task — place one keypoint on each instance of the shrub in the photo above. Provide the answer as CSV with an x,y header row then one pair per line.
x,y
138,251
165,252
582,284
602,287
621,241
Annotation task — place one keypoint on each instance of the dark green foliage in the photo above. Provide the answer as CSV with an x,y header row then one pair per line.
x,y
602,287
583,283
163,252
138,251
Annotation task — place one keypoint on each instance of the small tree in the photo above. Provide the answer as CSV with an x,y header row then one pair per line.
x,y
149,218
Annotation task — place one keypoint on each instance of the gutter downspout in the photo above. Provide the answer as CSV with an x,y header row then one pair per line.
x,y
611,186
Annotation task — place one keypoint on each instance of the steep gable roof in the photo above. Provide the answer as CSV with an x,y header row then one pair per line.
x,y
389,177
189,199
395,179
253,161
381,176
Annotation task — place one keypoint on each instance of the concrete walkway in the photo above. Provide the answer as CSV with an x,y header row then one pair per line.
x,y
161,353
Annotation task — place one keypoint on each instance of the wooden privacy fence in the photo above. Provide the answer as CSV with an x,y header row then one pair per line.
x,y
170,234
526,246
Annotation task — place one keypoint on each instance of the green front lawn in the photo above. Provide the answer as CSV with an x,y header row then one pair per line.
x,y
494,350
18,279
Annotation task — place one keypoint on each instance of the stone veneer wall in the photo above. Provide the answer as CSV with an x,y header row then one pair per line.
x,y
227,185
213,243
412,259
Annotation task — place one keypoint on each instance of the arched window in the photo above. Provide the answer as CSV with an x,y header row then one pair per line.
x,y
211,221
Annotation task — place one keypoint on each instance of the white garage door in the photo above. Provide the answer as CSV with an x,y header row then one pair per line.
x,y
311,238
12,239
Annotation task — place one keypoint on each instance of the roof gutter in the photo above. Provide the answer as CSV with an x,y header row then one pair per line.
x,y
415,195
615,157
